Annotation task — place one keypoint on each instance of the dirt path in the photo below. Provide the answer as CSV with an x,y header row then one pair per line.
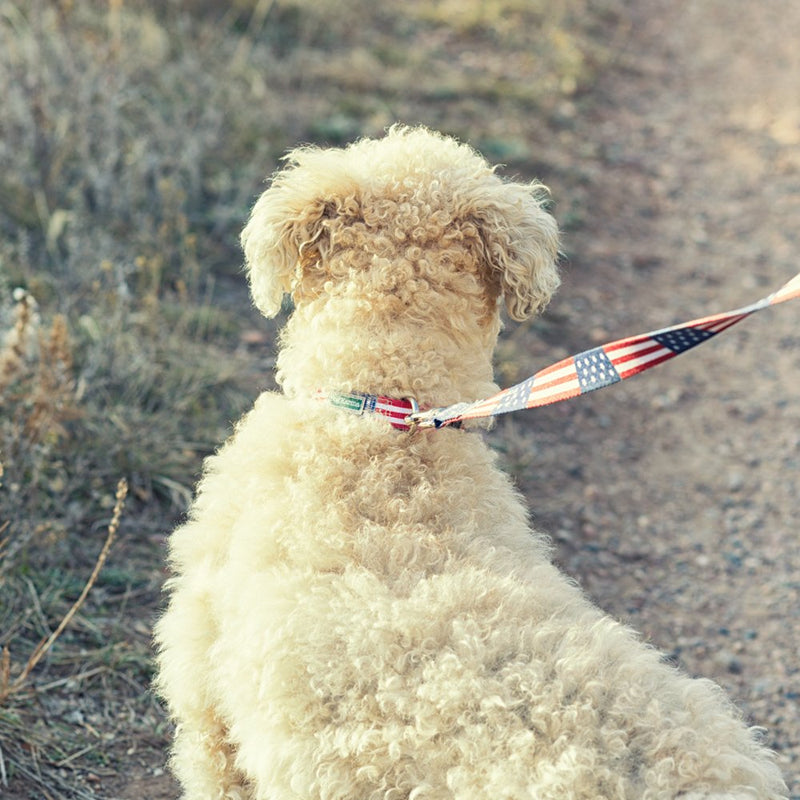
x,y
673,497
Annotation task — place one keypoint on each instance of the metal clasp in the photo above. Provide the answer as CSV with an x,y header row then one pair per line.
x,y
420,419
410,418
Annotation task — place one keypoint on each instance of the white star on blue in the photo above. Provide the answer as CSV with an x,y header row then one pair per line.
x,y
595,370
682,339
516,397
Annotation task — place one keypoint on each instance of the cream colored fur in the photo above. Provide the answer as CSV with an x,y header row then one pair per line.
x,y
358,613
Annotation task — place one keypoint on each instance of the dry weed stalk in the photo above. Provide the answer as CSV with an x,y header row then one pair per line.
x,y
36,372
51,401
5,673
3,539
13,348
9,687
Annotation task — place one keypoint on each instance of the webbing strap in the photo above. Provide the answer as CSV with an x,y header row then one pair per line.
x,y
396,410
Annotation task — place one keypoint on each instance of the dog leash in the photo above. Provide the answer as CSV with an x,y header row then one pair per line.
x,y
573,376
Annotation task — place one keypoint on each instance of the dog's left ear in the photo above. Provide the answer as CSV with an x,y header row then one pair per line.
x,y
285,236
520,244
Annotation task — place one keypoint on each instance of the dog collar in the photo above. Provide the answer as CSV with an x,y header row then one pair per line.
x,y
397,410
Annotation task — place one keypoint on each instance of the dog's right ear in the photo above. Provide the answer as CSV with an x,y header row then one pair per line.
x,y
520,244
285,236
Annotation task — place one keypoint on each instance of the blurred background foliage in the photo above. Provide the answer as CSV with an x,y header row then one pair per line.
x,y
134,136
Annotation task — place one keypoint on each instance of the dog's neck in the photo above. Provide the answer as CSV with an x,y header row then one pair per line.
x,y
350,346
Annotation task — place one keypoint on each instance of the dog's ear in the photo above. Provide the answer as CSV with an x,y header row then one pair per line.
x,y
285,236
520,244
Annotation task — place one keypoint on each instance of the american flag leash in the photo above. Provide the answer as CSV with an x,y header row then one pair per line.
x,y
599,367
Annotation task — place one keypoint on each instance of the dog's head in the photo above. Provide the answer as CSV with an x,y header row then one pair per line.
x,y
413,191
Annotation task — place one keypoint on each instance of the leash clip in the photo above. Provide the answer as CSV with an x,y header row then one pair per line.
x,y
422,419
412,419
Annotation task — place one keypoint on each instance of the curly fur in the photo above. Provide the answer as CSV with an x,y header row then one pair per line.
x,y
362,614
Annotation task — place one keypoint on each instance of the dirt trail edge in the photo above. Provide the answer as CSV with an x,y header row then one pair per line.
x,y
672,497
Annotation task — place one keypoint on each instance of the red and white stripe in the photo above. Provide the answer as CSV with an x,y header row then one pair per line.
x,y
396,410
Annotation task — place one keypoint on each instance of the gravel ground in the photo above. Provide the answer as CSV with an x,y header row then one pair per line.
x,y
672,497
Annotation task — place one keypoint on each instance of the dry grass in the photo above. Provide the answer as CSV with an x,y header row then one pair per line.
x,y
14,685
134,137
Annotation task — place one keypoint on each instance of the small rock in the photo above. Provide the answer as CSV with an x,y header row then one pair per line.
x,y
730,662
735,481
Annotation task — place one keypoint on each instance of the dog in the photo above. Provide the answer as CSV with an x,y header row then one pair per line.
x,y
360,612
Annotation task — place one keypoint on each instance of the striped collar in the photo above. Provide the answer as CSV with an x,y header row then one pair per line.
x,y
396,410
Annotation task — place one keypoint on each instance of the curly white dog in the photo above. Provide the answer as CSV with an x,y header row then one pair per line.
x,y
363,613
